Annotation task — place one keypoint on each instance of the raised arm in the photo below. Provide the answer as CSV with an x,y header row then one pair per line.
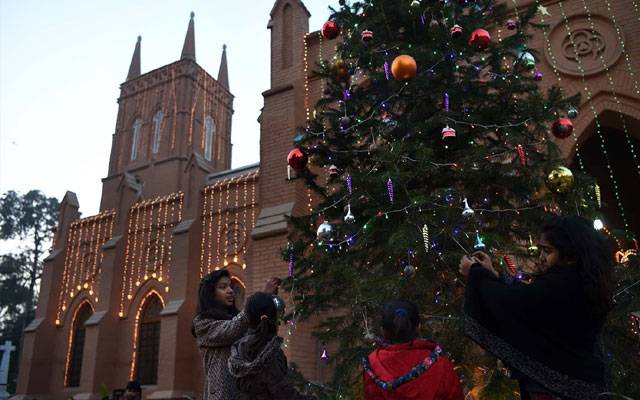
x,y
219,333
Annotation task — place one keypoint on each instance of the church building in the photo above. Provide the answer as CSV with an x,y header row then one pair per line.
x,y
118,291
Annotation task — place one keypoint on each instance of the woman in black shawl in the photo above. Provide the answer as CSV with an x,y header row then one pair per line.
x,y
546,331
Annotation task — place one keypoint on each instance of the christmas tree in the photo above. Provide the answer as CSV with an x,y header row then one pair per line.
x,y
432,139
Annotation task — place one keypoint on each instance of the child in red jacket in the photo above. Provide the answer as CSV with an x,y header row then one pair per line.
x,y
406,367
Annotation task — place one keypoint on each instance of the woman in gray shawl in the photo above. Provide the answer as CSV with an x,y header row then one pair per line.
x,y
216,326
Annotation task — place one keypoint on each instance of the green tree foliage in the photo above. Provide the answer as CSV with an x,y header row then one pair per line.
x,y
26,225
384,135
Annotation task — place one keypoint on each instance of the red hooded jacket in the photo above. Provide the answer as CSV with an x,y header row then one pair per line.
x,y
439,382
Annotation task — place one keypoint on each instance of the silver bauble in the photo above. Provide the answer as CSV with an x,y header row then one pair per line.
x,y
325,230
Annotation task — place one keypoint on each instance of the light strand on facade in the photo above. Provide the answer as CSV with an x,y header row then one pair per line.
x,y
595,117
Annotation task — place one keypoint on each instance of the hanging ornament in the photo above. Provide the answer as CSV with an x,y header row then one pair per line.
x,y
532,249
572,113
296,160
480,39
387,69
479,245
349,183
537,76
325,356
510,264
598,224
562,128
290,262
446,102
367,36
330,30
598,196
560,180
349,218
526,60
468,211
390,190
341,70
511,24
425,237
415,4
333,171
455,31
404,67
345,122
280,306
325,230
521,154
409,271
448,132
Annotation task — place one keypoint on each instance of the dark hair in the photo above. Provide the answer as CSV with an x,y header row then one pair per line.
x,y
262,314
577,240
400,320
208,307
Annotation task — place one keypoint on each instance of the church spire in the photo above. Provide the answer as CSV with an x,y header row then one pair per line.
x,y
223,74
134,68
189,47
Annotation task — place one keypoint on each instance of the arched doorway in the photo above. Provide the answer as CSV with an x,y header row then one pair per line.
x,y
624,170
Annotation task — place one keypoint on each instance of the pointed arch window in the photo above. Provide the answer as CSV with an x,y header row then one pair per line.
x,y
74,357
137,126
209,132
149,342
157,124
287,36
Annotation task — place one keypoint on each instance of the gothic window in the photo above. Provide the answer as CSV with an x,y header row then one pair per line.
x,y
149,342
209,132
287,36
157,123
136,138
77,345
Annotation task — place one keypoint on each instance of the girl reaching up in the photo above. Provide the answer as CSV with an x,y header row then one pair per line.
x,y
546,331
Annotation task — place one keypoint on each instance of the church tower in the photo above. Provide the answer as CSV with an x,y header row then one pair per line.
x,y
173,128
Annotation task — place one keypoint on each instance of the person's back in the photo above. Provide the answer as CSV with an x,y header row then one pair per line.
x,y
257,362
408,368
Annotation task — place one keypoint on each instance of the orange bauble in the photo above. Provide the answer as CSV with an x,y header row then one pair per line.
x,y
404,68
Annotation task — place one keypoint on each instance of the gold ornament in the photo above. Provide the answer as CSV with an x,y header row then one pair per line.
x,y
560,180
532,250
598,196
404,67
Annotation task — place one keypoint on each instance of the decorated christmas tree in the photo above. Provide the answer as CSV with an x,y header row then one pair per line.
x,y
432,140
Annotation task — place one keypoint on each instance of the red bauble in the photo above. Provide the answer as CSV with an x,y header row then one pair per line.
x,y
367,36
562,128
297,159
480,39
330,30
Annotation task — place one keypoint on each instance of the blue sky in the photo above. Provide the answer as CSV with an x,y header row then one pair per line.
x,y
61,64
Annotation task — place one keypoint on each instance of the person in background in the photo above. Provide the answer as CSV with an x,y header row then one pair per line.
x,y
406,367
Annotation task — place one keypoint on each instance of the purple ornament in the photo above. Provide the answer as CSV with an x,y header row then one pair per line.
x,y
325,355
386,69
390,190
346,94
423,20
446,102
537,76
290,263
349,184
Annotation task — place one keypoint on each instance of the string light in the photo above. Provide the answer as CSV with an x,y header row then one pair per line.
x,y
175,107
155,216
233,216
306,75
134,345
78,278
610,78
595,117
